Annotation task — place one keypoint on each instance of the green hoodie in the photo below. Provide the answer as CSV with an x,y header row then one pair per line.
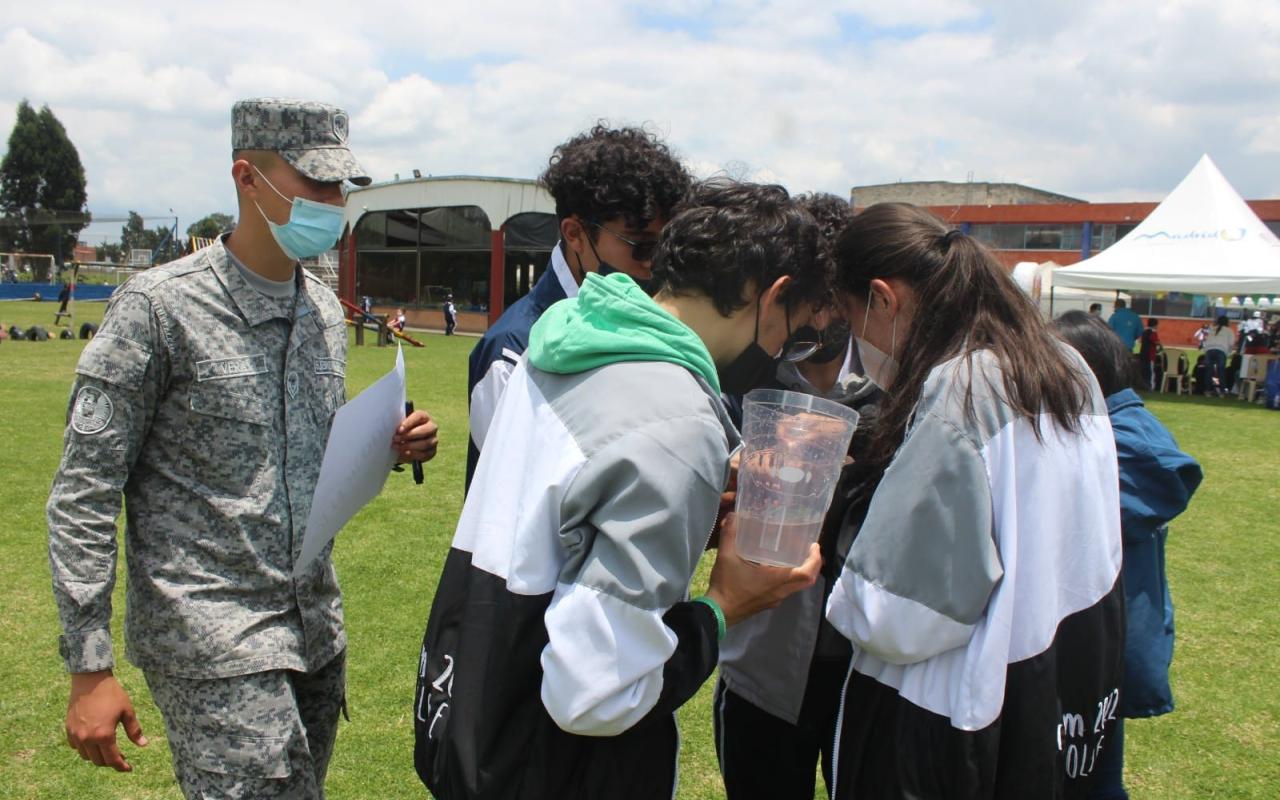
x,y
613,320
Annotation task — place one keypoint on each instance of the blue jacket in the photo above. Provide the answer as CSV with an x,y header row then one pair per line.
x,y
1156,483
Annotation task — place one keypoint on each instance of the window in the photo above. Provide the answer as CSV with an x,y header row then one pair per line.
x,y
464,274
1172,304
1035,236
1000,236
371,230
1043,237
388,277
455,227
402,229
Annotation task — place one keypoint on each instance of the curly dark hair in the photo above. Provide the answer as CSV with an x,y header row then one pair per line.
x,y
832,213
730,236
608,173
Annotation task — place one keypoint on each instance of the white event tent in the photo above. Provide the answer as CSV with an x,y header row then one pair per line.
x,y
1202,239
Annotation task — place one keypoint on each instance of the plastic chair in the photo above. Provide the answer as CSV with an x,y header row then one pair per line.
x,y
1199,381
1177,378
1255,375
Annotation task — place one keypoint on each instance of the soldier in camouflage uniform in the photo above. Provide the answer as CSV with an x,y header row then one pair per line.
x,y
205,401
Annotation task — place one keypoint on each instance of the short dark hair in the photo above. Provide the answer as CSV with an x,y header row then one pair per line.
x,y
1101,348
1095,306
1120,303
1152,322
731,236
832,213
608,173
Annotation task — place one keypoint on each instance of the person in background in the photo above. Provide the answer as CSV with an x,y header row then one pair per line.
x,y
1126,324
395,324
1254,338
1217,344
203,407
450,315
64,297
773,713
561,639
1201,334
982,594
614,189
1157,481
1148,352
1095,309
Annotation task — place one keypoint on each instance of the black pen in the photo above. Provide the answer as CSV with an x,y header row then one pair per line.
x,y
417,465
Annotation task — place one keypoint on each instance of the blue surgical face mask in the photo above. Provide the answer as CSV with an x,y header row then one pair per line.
x,y
312,228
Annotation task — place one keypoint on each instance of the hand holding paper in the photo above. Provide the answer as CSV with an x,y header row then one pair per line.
x,y
356,460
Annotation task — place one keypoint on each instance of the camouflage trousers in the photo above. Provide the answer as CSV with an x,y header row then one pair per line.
x,y
266,735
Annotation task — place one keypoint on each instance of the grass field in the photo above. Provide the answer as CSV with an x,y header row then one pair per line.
x,y
1223,563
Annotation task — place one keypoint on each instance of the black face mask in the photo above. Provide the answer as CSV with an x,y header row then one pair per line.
x,y
604,268
835,340
753,367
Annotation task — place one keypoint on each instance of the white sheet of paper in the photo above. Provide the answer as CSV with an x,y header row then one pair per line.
x,y
357,460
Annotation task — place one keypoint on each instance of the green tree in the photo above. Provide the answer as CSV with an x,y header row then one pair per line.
x,y
42,186
135,235
213,225
111,252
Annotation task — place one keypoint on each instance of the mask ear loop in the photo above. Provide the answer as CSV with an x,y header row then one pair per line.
x,y
594,252
581,277
268,182
755,337
592,245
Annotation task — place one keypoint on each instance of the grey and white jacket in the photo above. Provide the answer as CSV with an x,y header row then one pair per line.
x,y
983,601
561,641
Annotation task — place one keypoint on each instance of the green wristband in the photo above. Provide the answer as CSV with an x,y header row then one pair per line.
x,y
715,609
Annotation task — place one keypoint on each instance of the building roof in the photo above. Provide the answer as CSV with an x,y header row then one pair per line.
x,y
1102,213
930,193
499,198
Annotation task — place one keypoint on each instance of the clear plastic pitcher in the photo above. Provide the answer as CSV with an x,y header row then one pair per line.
x,y
794,446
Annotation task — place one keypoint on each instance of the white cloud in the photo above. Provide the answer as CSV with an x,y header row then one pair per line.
x,y
1096,99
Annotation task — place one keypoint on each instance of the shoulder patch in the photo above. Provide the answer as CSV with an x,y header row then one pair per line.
x,y
92,410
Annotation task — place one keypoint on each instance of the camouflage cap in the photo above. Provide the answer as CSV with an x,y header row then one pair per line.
x,y
310,136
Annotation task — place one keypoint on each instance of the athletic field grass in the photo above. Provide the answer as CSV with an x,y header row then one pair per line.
x,y
1224,566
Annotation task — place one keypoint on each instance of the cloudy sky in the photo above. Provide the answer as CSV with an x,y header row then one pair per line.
x,y
1100,99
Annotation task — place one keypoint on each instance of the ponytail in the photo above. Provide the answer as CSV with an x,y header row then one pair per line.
x,y
966,303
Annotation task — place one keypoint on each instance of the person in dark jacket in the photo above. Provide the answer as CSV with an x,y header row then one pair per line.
x,y
774,711
1156,482
614,189
1148,353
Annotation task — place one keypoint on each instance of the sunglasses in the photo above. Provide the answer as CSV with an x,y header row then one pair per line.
x,y
640,251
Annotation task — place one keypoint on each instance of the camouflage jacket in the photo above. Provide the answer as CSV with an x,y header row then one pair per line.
x,y
207,408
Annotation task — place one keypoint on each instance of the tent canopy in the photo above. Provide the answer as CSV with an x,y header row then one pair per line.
x,y
1202,239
